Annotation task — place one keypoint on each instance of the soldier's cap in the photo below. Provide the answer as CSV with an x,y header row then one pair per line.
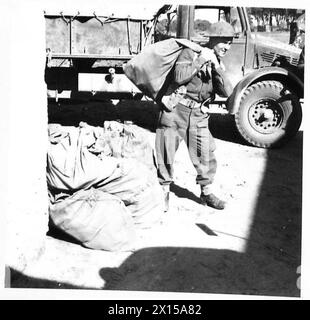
x,y
221,29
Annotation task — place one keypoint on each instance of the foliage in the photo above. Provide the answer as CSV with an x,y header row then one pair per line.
x,y
274,17
202,25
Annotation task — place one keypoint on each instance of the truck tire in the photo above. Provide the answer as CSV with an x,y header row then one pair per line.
x,y
269,114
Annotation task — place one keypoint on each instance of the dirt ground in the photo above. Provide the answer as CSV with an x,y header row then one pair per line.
x,y
252,247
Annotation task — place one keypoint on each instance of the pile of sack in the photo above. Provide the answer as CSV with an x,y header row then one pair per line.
x,y
124,141
102,184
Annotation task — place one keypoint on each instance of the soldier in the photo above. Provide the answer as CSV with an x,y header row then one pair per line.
x,y
201,77
293,30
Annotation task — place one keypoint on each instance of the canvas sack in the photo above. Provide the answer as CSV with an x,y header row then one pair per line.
x,y
96,218
149,69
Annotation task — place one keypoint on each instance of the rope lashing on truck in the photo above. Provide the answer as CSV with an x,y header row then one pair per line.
x,y
73,18
63,17
70,19
96,17
107,19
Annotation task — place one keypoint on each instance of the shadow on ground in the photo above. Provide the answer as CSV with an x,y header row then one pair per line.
x,y
57,233
184,193
142,113
223,127
202,271
19,280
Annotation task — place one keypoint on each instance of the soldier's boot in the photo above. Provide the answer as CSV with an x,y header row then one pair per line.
x,y
208,198
212,201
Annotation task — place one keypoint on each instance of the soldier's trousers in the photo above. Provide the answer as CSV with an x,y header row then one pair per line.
x,y
192,126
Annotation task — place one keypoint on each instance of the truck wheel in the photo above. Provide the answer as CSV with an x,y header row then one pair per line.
x,y
269,114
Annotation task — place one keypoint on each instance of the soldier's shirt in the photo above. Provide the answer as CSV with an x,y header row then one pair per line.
x,y
200,78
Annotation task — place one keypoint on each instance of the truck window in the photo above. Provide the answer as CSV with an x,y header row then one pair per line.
x,y
235,20
204,17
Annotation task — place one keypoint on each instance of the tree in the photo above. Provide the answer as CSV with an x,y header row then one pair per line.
x,y
282,16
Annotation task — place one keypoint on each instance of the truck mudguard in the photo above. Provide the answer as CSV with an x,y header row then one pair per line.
x,y
235,98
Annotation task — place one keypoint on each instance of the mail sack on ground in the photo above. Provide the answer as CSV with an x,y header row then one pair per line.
x,y
87,171
97,219
124,141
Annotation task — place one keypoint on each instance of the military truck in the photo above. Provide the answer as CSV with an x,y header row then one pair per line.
x,y
86,53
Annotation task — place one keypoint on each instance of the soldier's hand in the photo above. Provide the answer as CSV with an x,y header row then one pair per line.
x,y
209,55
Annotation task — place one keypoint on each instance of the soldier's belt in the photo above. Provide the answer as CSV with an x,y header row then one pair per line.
x,y
187,102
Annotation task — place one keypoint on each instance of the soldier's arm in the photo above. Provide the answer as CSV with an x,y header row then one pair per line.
x,y
187,66
221,83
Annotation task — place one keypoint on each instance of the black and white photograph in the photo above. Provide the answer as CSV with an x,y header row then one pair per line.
x,y
153,149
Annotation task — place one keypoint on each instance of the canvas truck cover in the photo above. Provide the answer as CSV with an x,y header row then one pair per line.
x,y
149,69
108,33
101,8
